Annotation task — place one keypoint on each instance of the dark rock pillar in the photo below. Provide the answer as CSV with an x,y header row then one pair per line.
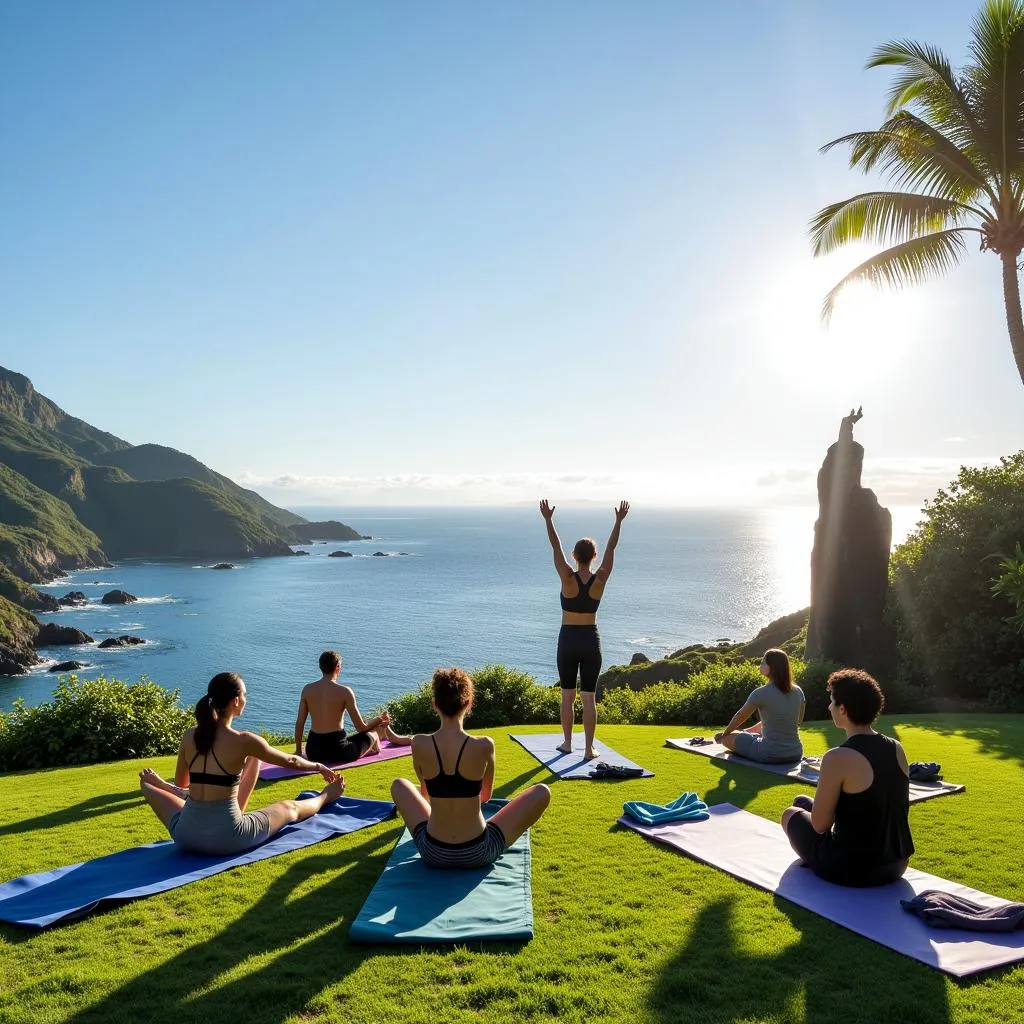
x,y
849,563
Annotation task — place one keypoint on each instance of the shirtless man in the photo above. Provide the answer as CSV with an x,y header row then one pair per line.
x,y
325,702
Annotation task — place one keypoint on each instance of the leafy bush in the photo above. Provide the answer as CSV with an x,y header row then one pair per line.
x,y
92,720
953,634
503,696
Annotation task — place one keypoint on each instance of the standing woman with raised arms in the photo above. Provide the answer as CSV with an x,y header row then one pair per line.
x,y
579,642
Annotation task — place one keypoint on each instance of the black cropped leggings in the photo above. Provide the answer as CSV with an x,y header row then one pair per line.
x,y
579,653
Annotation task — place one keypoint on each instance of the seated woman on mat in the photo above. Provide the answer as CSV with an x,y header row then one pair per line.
x,y
775,739
444,815
217,769
856,830
326,702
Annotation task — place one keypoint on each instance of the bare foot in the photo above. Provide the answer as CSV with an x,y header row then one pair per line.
x,y
151,778
590,755
563,749
333,790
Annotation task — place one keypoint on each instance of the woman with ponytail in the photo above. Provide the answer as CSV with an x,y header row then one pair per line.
x,y
218,767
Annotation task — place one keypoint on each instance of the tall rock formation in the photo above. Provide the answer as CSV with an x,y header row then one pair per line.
x,y
849,563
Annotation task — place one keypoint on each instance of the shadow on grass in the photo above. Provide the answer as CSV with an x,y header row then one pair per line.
x,y
210,981
739,784
507,789
999,736
827,975
94,807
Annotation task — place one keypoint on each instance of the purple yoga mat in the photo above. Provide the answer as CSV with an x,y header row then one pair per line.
x,y
388,750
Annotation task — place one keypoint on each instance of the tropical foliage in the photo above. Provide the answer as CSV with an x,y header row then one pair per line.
x,y
952,147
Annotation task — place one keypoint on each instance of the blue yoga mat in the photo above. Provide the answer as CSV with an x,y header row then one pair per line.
x,y
572,766
412,903
64,894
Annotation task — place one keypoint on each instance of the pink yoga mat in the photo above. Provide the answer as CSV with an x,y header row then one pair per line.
x,y
756,850
388,750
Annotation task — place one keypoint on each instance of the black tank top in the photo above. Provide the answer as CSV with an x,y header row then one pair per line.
x,y
872,828
453,785
582,602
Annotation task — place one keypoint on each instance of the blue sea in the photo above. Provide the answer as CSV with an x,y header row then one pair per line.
x,y
464,586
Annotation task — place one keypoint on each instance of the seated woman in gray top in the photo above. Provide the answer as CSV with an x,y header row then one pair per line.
x,y
775,739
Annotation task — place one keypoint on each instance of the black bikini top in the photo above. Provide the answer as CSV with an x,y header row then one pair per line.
x,y
204,778
443,784
582,602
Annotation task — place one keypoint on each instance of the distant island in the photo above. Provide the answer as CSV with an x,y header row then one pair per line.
x,y
73,496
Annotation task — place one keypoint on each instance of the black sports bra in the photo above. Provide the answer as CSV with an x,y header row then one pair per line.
x,y
443,784
582,602
204,778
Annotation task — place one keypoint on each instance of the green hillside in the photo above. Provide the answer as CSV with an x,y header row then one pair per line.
x,y
70,494
17,631
155,462
40,535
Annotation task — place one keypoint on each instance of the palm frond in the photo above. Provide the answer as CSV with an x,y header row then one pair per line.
x,y
917,155
885,218
995,77
928,80
912,262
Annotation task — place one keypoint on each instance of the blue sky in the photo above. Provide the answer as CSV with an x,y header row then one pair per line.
x,y
443,252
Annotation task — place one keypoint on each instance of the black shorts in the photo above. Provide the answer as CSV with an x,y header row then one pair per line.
x,y
337,747
817,851
579,653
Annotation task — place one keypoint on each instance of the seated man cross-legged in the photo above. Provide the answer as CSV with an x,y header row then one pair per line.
x,y
456,773
856,830
326,702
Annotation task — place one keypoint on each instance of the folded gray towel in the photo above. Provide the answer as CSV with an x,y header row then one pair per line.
x,y
944,910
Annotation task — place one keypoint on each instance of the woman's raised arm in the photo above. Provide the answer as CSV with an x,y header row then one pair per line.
x,y
562,567
605,568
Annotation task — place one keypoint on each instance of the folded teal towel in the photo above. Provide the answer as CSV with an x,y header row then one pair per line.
x,y
688,807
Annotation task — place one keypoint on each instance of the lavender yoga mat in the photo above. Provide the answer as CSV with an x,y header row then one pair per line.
x,y
756,850
388,750
806,770
572,766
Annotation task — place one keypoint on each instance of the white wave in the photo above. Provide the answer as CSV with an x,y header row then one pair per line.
x,y
640,640
166,599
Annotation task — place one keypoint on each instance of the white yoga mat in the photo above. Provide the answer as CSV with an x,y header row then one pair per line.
x,y
804,771
757,851
572,766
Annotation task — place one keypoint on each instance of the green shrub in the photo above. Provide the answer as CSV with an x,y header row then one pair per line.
x,y
812,676
503,696
953,634
92,720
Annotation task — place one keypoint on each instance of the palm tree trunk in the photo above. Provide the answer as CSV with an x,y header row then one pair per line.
x,y
1014,320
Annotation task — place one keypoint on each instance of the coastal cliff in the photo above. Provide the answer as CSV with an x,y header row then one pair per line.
x,y
72,495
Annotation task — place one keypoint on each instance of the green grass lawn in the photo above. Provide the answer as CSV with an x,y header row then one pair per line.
x,y
625,930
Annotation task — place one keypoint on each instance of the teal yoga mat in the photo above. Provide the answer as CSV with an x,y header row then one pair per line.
x,y
412,903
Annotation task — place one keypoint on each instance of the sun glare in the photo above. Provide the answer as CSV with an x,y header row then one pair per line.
x,y
870,327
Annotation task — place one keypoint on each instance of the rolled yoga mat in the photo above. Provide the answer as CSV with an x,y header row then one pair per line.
x,y
388,750
572,766
412,903
806,770
757,851
64,894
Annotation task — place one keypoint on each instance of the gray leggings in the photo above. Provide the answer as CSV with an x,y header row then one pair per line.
x,y
218,827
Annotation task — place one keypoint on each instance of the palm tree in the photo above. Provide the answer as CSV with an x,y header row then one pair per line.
x,y
954,145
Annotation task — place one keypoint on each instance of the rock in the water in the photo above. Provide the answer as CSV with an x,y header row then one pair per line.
x,y
639,659
849,564
15,662
121,641
118,597
302,553
380,554
67,666
340,554
73,599
52,635
224,565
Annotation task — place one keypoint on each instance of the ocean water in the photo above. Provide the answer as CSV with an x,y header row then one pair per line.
x,y
464,586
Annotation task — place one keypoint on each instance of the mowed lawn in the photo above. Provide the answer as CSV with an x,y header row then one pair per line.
x,y
625,931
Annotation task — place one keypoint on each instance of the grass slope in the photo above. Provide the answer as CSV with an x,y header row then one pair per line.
x,y
625,931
